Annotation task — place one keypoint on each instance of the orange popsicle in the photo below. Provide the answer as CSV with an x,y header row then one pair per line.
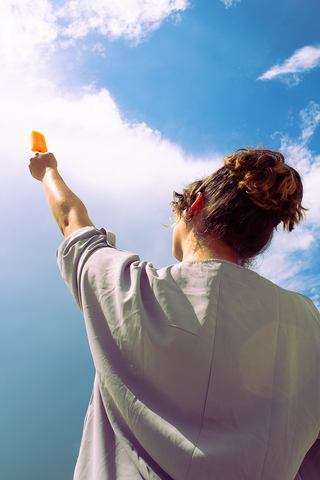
x,y
38,142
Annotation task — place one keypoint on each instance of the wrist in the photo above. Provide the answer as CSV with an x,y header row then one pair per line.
x,y
50,172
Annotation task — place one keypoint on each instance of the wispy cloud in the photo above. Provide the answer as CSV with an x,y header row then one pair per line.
x,y
131,19
297,149
230,3
41,26
289,257
310,119
292,70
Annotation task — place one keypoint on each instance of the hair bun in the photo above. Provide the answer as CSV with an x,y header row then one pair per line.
x,y
270,182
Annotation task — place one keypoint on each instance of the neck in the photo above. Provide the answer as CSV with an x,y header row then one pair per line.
x,y
212,255
212,249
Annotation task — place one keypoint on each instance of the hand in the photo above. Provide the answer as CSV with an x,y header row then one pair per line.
x,y
40,163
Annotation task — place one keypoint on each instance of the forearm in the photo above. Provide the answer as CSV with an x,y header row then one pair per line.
x,y
67,209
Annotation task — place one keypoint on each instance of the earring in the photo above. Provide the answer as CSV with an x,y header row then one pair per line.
x,y
188,219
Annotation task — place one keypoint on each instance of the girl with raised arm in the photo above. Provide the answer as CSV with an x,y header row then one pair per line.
x,y
204,369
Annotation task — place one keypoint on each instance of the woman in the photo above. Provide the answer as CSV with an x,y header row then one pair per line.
x,y
204,369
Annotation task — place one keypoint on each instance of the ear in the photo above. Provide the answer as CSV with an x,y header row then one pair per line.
x,y
197,204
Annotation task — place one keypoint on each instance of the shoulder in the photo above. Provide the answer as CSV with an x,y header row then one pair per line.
x,y
92,253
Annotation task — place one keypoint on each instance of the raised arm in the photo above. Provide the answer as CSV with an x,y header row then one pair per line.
x,y
67,209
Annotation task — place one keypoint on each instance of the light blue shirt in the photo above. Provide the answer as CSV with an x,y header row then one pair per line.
x,y
204,369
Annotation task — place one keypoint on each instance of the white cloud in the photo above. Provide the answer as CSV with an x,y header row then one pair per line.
x,y
30,30
100,153
230,3
279,263
131,19
90,133
292,70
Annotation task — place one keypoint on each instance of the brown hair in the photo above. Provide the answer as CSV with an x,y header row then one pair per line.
x,y
246,199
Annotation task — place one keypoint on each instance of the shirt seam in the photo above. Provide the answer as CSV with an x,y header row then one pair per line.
x,y
209,378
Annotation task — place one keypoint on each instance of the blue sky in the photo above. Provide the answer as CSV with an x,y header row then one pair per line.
x,y
136,98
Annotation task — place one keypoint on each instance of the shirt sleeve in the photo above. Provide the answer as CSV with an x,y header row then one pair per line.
x,y
74,252
107,284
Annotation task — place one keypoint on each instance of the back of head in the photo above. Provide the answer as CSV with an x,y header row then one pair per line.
x,y
246,200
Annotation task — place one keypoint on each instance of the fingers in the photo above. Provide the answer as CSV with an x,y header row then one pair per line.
x,y
43,158
36,154
40,163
